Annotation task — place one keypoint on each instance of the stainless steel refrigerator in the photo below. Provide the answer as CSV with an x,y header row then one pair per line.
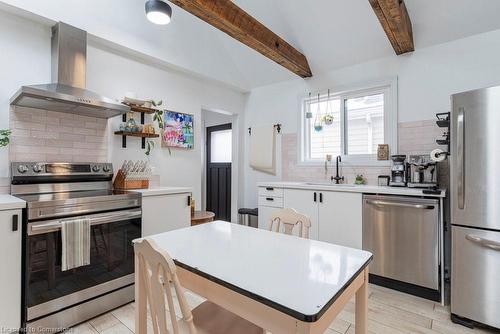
x,y
475,207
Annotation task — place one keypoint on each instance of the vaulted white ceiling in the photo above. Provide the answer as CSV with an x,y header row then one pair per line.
x,y
330,33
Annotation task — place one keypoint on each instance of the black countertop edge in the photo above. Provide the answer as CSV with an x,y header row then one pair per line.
x,y
297,315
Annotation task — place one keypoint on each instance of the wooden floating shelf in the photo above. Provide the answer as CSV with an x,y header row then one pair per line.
x,y
142,135
136,108
137,134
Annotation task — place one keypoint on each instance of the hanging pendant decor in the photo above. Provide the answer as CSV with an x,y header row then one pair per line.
x,y
318,123
328,117
309,113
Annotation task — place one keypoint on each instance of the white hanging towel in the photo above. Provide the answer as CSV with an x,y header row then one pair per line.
x,y
263,149
75,235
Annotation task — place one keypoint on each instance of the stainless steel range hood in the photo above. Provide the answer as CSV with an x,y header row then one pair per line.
x,y
67,91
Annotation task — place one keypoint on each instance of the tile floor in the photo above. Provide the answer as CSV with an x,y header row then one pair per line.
x,y
390,312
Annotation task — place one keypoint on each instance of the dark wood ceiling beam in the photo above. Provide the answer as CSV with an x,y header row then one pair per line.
x,y
229,18
396,22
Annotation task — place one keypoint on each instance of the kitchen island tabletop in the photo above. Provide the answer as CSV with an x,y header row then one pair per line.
x,y
276,281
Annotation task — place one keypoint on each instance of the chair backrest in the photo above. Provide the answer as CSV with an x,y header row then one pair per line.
x,y
158,272
285,220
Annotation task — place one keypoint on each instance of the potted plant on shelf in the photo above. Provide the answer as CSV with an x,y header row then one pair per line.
x,y
5,137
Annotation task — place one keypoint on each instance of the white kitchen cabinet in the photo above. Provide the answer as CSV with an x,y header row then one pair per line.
x,y
165,212
265,214
10,279
340,218
306,203
270,201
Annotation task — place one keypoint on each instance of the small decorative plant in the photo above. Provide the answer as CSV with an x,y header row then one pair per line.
x,y
5,137
327,119
359,179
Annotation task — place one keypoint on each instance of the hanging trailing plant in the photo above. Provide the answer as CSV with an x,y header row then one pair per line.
x,y
158,118
149,147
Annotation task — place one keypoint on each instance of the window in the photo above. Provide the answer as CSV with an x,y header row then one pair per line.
x,y
351,124
221,146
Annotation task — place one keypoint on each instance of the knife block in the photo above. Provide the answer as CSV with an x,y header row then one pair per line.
x,y
121,183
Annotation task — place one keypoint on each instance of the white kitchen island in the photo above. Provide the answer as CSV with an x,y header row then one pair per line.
x,y
282,283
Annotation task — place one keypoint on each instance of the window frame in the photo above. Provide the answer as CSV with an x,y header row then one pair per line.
x,y
386,86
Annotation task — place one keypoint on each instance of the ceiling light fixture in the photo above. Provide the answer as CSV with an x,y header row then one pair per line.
x,y
158,12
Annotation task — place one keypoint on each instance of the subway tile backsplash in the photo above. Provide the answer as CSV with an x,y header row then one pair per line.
x,y
40,135
413,138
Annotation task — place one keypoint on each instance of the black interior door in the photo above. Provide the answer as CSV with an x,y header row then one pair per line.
x,y
219,157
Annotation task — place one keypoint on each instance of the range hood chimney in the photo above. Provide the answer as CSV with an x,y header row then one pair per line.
x,y
67,91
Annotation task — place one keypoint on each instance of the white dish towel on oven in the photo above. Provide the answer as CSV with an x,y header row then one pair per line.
x,y
75,235
263,148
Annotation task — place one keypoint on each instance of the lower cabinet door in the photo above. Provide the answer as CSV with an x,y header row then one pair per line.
x,y
265,214
340,218
10,277
303,201
165,213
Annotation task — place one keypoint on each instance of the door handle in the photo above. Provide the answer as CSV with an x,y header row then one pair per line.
x,y
97,219
269,188
401,205
495,245
269,199
315,196
15,223
189,201
321,197
461,158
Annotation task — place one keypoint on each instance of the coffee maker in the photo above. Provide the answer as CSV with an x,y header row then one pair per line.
x,y
398,171
422,172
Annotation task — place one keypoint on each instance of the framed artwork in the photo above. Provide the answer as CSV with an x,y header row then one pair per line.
x,y
177,130
383,152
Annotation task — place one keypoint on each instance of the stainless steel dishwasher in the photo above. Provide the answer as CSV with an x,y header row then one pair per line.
x,y
403,235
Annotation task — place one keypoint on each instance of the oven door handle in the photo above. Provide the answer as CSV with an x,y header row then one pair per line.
x,y
97,219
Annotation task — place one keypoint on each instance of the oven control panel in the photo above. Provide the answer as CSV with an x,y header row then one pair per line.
x,y
33,169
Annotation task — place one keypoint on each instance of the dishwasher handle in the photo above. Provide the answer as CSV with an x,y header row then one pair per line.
x,y
400,204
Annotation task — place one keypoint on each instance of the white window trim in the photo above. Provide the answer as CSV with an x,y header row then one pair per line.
x,y
390,88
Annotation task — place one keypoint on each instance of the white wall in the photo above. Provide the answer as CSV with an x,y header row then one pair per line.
x,y
25,59
112,75
426,78
212,118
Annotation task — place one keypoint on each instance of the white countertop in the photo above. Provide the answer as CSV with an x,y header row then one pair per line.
x,y
157,191
9,202
294,275
324,186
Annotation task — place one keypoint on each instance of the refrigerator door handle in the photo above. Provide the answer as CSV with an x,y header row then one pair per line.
x,y
495,245
461,158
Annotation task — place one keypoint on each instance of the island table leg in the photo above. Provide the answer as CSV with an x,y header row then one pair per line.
x,y
361,317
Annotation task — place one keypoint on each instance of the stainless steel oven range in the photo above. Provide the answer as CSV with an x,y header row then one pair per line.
x,y
61,192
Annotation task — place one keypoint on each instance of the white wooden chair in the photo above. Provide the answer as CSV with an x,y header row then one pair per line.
x,y
159,274
285,220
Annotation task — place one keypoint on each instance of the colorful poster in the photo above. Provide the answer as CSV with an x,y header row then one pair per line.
x,y
177,130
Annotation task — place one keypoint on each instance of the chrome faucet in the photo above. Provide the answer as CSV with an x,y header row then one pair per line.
x,y
337,177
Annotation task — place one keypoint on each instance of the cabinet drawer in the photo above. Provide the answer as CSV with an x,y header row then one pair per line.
x,y
275,202
270,192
